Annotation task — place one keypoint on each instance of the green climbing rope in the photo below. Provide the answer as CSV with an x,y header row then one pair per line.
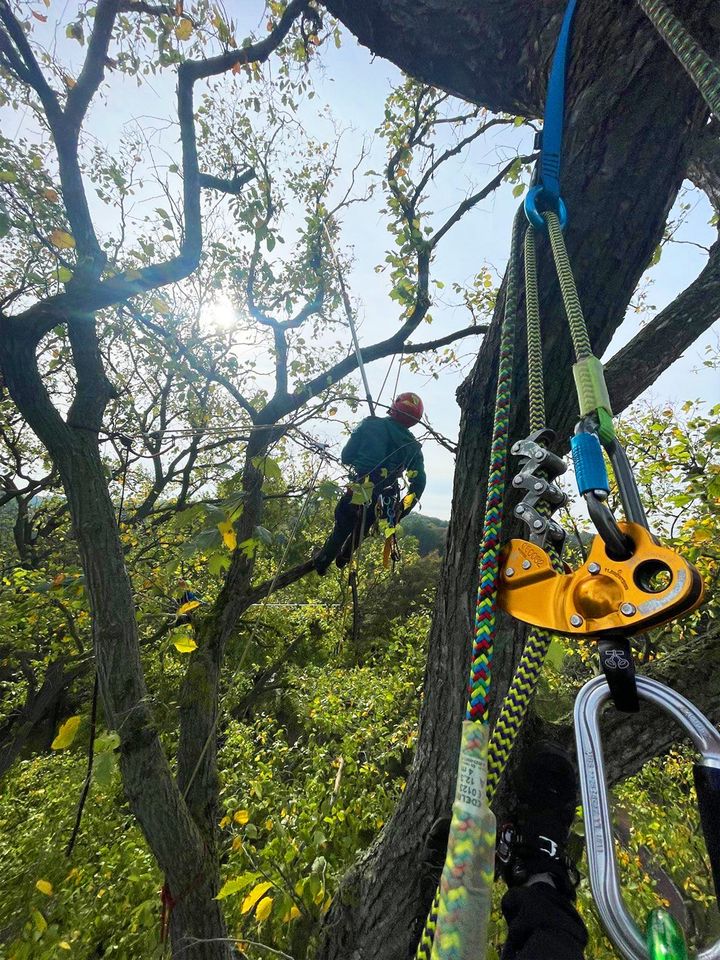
x,y
571,300
701,68
536,385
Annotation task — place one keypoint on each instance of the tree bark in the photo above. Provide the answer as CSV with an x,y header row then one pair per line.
x,y
192,873
632,116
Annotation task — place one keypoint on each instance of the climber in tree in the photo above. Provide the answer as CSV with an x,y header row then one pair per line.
x,y
379,451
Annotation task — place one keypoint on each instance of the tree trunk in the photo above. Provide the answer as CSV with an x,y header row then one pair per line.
x,y
39,707
164,818
632,116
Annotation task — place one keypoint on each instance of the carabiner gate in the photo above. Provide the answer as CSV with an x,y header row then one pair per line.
x,y
603,871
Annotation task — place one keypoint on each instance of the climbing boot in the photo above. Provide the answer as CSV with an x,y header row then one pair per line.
x,y
532,844
321,564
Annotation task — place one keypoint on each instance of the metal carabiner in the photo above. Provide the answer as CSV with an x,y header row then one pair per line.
x,y
603,871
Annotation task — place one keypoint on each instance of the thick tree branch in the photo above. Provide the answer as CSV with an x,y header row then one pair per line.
x,y
267,587
637,365
93,71
474,330
33,75
224,185
254,52
704,166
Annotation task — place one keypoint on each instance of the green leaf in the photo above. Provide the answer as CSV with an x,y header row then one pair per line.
x,y
237,885
109,740
270,468
263,535
555,655
104,768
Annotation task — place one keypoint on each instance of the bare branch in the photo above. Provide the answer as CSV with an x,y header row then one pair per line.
x,y
472,201
190,357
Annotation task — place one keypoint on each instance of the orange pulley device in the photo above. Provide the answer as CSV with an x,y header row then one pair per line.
x,y
605,595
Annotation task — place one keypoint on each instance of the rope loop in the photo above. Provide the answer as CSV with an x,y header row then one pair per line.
x,y
539,201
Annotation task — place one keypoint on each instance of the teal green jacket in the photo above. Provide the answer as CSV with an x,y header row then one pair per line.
x,y
379,442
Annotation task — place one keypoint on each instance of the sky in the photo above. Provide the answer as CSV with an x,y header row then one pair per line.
x,y
355,86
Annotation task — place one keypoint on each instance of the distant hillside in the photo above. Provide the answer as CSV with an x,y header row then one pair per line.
x,y
430,532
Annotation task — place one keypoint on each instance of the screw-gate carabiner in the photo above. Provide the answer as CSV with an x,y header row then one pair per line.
x,y
603,871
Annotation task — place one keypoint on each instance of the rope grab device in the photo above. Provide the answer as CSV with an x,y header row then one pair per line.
x,y
629,582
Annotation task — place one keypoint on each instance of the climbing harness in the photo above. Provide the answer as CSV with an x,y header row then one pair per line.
x,y
603,871
628,583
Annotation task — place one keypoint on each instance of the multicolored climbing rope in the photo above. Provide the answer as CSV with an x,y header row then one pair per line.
x,y
481,665
454,923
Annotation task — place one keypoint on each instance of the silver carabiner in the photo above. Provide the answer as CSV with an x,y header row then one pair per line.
x,y
603,871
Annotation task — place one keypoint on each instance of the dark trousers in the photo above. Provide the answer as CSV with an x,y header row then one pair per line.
x,y
349,530
543,924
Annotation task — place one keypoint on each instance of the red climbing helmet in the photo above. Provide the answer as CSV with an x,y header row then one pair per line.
x,y
407,409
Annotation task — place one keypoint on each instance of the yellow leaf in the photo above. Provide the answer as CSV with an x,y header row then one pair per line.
x,y
241,817
257,893
39,921
292,914
62,240
183,31
44,886
187,607
8,176
70,82
64,945
264,908
237,843
268,824
224,822
227,530
184,644
159,306
66,733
